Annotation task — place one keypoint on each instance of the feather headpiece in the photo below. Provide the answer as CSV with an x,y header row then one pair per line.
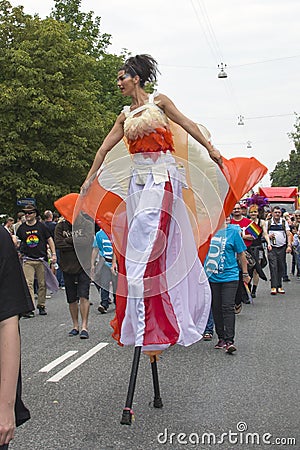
x,y
258,200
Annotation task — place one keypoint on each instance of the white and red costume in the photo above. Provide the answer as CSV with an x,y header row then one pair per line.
x,y
160,208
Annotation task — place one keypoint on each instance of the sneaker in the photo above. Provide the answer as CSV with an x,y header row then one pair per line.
x,y
207,336
102,309
280,291
221,344
273,291
28,315
286,279
253,294
230,348
42,310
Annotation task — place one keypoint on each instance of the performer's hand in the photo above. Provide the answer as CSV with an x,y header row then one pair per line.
x,y
215,155
86,185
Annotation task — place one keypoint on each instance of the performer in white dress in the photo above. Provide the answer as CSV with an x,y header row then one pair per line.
x,y
167,298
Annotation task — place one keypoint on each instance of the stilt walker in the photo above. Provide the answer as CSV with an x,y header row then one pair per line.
x,y
165,208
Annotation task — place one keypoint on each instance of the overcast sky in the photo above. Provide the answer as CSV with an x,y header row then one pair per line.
x,y
258,40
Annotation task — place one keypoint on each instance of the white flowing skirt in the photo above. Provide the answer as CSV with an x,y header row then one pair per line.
x,y
163,270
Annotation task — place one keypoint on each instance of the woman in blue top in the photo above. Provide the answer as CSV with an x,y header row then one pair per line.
x,y
222,270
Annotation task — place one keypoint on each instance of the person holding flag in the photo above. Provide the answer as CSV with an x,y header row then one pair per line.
x,y
258,230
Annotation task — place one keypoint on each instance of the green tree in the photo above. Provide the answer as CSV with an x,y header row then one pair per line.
x,y
55,106
82,26
87,27
287,172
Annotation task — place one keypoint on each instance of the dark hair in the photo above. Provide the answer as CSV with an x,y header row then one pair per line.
x,y
142,65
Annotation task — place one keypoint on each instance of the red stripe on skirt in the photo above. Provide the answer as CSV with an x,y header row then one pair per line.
x,y
160,320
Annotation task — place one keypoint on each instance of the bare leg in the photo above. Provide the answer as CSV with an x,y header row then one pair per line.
x,y
84,311
73,307
255,278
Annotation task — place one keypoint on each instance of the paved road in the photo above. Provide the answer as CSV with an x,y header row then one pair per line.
x,y
204,390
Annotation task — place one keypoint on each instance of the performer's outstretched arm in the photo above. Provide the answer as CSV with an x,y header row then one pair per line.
x,y
188,125
113,137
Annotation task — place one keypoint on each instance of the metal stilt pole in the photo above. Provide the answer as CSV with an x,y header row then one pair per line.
x,y
127,411
157,402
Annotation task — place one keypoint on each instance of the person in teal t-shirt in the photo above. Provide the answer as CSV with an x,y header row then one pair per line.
x,y
105,271
222,270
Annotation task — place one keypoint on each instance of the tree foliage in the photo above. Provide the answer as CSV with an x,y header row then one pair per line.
x,y
58,99
287,172
82,26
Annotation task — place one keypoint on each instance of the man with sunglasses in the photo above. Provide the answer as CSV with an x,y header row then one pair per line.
x,y
35,237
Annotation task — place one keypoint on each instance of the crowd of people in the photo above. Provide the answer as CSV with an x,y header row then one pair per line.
x,y
267,236
46,247
261,236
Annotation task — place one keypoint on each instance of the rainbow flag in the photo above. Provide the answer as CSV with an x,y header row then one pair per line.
x,y
253,229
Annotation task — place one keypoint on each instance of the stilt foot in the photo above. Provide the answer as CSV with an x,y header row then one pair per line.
x,y
127,416
157,402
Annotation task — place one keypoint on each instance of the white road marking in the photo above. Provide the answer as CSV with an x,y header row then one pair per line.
x,y
77,362
57,361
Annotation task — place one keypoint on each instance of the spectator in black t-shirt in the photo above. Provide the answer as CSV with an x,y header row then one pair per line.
x,y
35,236
15,299
75,245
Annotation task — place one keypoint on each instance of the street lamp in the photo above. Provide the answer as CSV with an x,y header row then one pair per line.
x,y
222,73
249,144
241,120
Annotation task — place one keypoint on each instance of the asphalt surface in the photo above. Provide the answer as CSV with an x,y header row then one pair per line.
x,y
252,393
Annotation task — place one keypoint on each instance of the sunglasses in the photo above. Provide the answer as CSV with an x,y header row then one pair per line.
x,y
28,212
123,77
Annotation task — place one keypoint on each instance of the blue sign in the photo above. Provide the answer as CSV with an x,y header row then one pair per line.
x,y
26,201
